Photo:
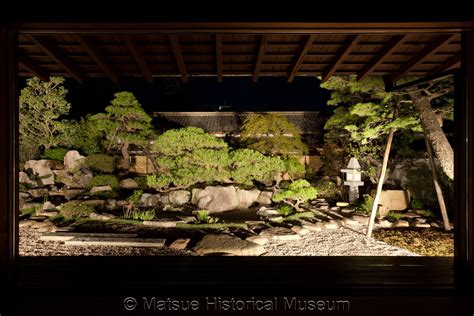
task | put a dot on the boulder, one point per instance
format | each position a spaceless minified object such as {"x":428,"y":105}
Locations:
{"x":23,"y":178}
{"x":180,"y":244}
{"x":179,"y":197}
{"x":48,"y":206}
{"x":195,"y":196}
{"x":42,"y":171}
{"x":150,"y":200}
{"x":128,"y":184}
{"x":73,"y":161}
{"x":37,"y":193}
{"x":139,"y":165}
{"x":247,"y":197}
{"x":265,"y":198}
{"x":111,"y":205}
{"x":217,"y":244}
{"x":72,"y":193}
{"x":56,"y":164}
{"x":393,"y":200}
{"x":267,"y":212}
{"x":401,"y":223}
{"x":217,"y":199}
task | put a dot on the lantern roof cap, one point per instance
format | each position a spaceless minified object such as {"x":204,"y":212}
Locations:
{"x":353,"y":164}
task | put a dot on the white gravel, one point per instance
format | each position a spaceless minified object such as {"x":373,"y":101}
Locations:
{"x":338,"y":242}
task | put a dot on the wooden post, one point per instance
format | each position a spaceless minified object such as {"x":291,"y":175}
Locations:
{"x":439,"y":192}
{"x":375,"y":206}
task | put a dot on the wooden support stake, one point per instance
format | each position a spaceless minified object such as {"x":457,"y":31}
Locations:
{"x":375,"y":206}
{"x":439,"y":192}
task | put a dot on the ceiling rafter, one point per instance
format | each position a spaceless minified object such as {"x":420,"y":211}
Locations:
{"x":94,"y":52}
{"x":219,"y":64}
{"x":349,"y":45}
{"x":452,"y":62}
{"x":426,"y":52}
{"x":395,"y":42}
{"x":178,"y":56}
{"x":58,"y":57}
{"x":138,"y":57}
{"x":261,"y":53}
{"x":301,"y":56}
{"x":34,"y":69}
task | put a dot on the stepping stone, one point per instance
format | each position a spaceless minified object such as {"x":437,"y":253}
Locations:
{"x":401,"y":223}
{"x":267,"y":212}
{"x":314,"y":227}
{"x":346,"y":212}
{"x":46,"y":213}
{"x":441,"y":224}
{"x":276,"y":219}
{"x":384,"y":223}
{"x":332,"y":224}
{"x":116,"y":242}
{"x":280,"y":233}
{"x":255,"y":223}
{"x":350,"y":222}
{"x":323,"y":207}
{"x":335,"y":208}
{"x":300,"y":230}
{"x":421,"y":225}
{"x":364,"y":220}
{"x":257,"y":239}
{"x":180,"y":244}
{"x":101,"y":217}
{"x":217,"y":244}
{"x":342,"y":204}
{"x":411,"y":215}
{"x":435,"y":225}
{"x":321,"y":200}
{"x":161,"y":224}
{"x":64,"y":236}
{"x":420,"y":220}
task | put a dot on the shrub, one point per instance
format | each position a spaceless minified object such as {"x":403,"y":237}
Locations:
{"x":202,"y":217}
{"x":55,"y":153}
{"x":142,"y":182}
{"x":394,"y":216}
{"x":272,"y":134}
{"x":327,"y":188}
{"x":75,"y":210}
{"x":101,"y":163}
{"x":416,"y":204}
{"x":297,"y":192}
{"x":103,"y":180}
{"x":143,"y":215}
{"x":82,"y":135}
{"x":135,"y":197}
{"x":366,"y":205}
{"x":285,"y":210}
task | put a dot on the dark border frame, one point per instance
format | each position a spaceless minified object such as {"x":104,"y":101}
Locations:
{"x":186,"y":275}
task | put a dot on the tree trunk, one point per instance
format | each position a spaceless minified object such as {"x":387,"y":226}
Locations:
{"x":435,"y":135}
{"x":126,"y":155}
{"x":375,"y":206}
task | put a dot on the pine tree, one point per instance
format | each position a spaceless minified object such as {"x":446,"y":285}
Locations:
{"x":124,"y":123}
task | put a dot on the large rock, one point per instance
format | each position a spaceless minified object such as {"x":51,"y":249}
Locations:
{"x":103,"y":188}
{"x":41,"y":170}
{"x":149,"y":200}
{"x":265,"y":198}
{"x":195,"y":196}
{"x":56,"y":164}
{"x":224,"y":244}
{"x":139,"y":165}
{"x":23,"y":178}
{"x":247,"y":197}
{"x":393,"y":200}
{"x":73,"y":160}
{"x":79,"y":181}
{"x":217,"y":199}
{"x":179,"y":197}
{"x":129,"y":184}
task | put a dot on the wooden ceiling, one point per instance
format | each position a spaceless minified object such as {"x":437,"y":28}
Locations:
{"x":186,"y":55}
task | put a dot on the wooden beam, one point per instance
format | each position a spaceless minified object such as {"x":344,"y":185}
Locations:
{"x":138,"y":57}
{"x":261,"y":53}
{"x":350,"y":44}
{"x":219,"y":57}
{"x":93,"y":51}
{"x":425,"y":53}
{"x":58,"y":57}
{"x":302,"y":54}
{"x":178,"y":56}
{"x":31,"y":67}
{"x":453,"y":62}
{"x":394,"y":43}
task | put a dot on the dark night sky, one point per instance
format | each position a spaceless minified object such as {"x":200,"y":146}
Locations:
{"x":202,"y":94}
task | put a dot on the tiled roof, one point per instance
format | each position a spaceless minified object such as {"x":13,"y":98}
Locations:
{"x":231,"y":122}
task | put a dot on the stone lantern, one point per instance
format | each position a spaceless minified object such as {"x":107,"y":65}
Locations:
{"x":353,"y":179}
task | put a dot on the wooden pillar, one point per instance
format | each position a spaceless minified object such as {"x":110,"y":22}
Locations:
{"x":8,"y":154}
{"x":464,"y":164}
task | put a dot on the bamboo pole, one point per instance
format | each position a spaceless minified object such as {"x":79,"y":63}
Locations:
{"x":439,"y":192}
{"x":375,"y":206}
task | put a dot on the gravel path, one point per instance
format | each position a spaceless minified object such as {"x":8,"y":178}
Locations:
{"x":339,"y":242}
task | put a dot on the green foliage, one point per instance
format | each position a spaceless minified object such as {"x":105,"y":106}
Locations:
{"x":82,"y":135}
{"x":426,"y":213}
{"x":362,"y":119}
{"x":55,"y":153}
{"x":135,"y":197}
{"x":366,"y":205}
{"x":327,"y":188}
{"x":104,"y":180}
{"x":101,"y":163}
{"x":294,"y":168}
{"x":142,"y":182}
{"x":147,"y":215}
{"x":297,"y":192}
{"x":393,"y":216}
{"x":125,"y":122}
{"x":247,"y":165}
{"x":42,"y":104}
{"x":202,"y":217}
{"x":75,"y":210}
{"x":416,"y":204}
{"x":285,"y":210}
{"x":272,"y":134}
{"x":106,"y":194}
